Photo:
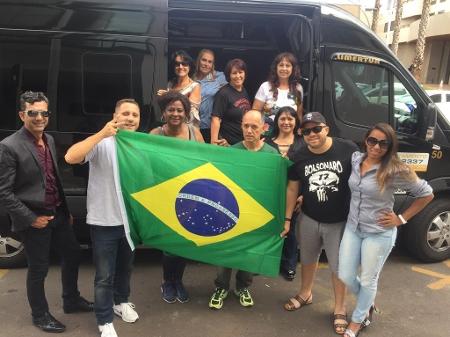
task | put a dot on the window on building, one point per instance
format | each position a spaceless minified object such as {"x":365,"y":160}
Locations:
{"x":436,"y":98}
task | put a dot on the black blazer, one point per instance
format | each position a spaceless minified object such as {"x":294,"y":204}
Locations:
{"x":22,"y":179}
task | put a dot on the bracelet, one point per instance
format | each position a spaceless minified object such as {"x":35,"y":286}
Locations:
{"x":402,"y":219}
{"x":287,"y":219}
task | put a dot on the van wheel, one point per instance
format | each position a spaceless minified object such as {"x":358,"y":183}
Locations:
{"x":12,"y":254}
{"x":428,"y":234}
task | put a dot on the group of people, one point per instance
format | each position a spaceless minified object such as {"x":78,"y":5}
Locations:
{"x":338,"y":198}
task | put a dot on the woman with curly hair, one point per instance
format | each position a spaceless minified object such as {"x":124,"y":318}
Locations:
{"x":283,"y":88}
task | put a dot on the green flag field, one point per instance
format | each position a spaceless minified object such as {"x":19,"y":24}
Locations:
{"x":218,"y":205}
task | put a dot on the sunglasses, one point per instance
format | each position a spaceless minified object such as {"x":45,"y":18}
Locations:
{"x":372,"y":141}
{"x":315,"y":129}
{"x":34,"y":113}
{"x":184,"y":64}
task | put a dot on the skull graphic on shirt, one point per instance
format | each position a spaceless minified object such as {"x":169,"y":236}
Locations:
{"x":323,"y":182}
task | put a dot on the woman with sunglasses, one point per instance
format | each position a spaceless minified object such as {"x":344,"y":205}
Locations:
{"x":175,"y":108}
{"x":230,"y":103}
{"x":183,"y":66}
{"x":371,"y":227}
{"x":283,"y":88}
{"x":210,"y":81}
{"x":286,"y":140}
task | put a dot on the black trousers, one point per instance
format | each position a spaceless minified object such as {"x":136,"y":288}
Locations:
{"x":37,"y":242}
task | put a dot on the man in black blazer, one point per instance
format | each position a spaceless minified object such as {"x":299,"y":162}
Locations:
{"x":31,"y":192}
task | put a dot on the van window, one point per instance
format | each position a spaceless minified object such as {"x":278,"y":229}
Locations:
{"x":19,"y":71}
{"x":366,"y":93}
{"x":405,"y":109}
{"x":361,"y":93}
{"x":105,"y":76}
{"x":94,"y":74}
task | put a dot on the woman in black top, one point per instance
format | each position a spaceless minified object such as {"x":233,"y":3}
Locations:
{"x":286,"y":140}
{"x":230,"y":103}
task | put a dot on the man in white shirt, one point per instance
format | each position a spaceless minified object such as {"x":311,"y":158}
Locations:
{"x":113,"y":256}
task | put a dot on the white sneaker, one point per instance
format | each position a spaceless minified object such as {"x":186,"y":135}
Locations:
{"x":107,"y":330}
{"x":126,"y":311}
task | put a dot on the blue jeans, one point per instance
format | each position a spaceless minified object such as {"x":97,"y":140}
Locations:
{"x":113,"y":259}
{"x":370,"y":251}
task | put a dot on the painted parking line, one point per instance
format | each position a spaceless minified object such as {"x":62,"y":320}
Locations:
{"x":3,"y":272}
{"x":443,"y":279}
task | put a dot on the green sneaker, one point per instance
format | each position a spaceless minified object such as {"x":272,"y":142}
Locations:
{"x":216,"y":301}
{"x":245,"y":298}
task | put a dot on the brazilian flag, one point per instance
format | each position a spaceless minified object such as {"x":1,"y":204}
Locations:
{"x":208,"y":203}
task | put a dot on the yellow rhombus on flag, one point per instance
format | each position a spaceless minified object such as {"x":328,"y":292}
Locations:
{"x":161,"y":200}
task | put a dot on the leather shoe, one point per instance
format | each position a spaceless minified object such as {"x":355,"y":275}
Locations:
{"x":78,"y":305}
{"x":48,"y":323}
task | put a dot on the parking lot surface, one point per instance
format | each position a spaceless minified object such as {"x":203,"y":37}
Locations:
{"x":413,"y":299}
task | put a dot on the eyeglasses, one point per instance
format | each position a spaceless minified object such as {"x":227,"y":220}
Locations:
{"x":372,"y":141}
{"x":183,"y":63}
{"x":172,"y":110}
{"x":315,"y":129}
{"x":34,"y":113}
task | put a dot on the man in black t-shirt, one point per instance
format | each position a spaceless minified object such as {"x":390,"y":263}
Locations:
{"x":320,"y":174}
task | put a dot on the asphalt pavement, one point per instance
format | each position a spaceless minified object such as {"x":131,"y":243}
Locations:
{"x":414,"y":300}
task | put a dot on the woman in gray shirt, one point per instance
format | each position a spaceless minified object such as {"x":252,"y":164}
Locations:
{"x":371,"y":227}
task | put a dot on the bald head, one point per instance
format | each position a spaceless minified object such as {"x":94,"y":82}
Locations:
{"x":252,"y":125}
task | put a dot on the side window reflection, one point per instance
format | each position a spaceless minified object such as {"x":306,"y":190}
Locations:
{"x":361,"y":93}
{"x":405,"y":109}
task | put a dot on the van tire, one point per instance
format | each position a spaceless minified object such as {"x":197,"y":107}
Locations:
{"x":14,"y":257}
{"x":417,"y":232}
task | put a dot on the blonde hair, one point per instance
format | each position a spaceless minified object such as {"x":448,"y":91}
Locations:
{"x":390,"y":165}
{"x":199,"y":57}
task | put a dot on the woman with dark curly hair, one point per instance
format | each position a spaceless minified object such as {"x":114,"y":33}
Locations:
{"x":283,"y":88}
{"x":175,"y":108}
{"x":183,"y":66}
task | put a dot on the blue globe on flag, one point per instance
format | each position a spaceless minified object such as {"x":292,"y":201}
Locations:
{"x":206,"y":207}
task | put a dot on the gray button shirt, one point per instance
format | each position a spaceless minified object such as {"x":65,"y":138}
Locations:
{"x":367,"y":200}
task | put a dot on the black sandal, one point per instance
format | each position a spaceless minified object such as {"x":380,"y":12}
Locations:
{"x":368,"y":320}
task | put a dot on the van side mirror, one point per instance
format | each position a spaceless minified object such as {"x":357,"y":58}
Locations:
{"x":429,"y":122}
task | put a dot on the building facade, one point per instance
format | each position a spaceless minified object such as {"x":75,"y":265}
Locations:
{"x":436,"y":68}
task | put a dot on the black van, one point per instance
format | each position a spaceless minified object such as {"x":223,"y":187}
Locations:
{"x":87,"y":54}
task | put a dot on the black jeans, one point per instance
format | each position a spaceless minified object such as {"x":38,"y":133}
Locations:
{"x":173,"y":267}
{"x":113,"y":259}
{"x":289,"y":256}
{"x":37,"y":242}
